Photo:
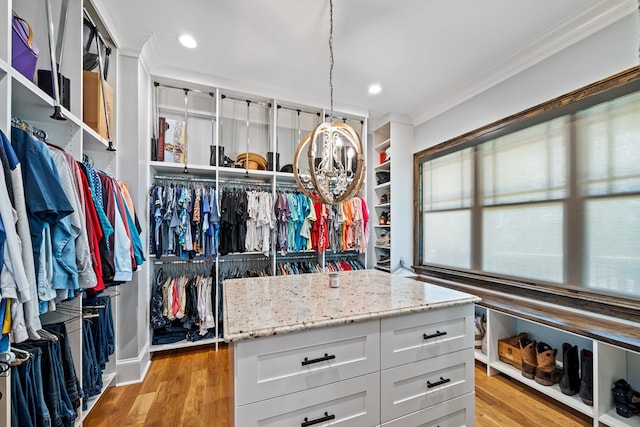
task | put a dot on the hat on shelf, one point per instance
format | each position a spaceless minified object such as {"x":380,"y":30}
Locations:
{"x":252,"y":160}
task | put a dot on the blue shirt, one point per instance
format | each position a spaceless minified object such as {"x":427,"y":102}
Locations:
{"x":45,"y":197}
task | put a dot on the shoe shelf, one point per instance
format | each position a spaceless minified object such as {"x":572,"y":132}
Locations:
{"x":610,"y":363}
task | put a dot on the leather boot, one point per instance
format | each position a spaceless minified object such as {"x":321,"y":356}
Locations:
{"x":586,"y":371}
{"x":546,"y":371}
{"x":528,"y":352}
{"x":570,"y":382}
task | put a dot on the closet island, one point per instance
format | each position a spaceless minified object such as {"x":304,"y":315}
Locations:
{"x":377,"y":350}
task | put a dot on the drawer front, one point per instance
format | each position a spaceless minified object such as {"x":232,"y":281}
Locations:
{"x":415,"y":386}
{"x":452,"y":413}
{"x":418,"y":336}
{"x":273,"y":366}
{"x":353,"y":402}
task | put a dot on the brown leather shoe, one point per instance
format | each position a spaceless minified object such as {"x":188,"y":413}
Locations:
{"x":529,"y":360}
{"x":546,"y":371}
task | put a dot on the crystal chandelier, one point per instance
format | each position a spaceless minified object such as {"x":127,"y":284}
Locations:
{"x":334,"y":154}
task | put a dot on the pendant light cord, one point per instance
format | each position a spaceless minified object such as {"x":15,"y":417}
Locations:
{"x":331,"y":57}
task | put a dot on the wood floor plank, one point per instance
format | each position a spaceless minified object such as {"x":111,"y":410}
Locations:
{"x":190,"y":388}
{"x":138,"y":413}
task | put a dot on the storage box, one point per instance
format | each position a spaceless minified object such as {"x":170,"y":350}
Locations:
{"x":92,"y":105}
{"x":509,"y":351}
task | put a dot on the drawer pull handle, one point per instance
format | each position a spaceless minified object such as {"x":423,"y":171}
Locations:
{"x":437,"y":383}
{"x":326,"y":356}
{"x":326,"y":417}
{"x":437,"y":334}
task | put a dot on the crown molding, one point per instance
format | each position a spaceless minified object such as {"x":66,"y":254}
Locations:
{"x":582,"y":25}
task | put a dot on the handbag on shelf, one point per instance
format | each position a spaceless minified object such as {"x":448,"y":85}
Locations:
{"x":24,"y":52}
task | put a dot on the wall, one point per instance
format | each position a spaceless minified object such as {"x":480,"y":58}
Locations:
{"x":609,"y":51}
{"x":133,"y":152}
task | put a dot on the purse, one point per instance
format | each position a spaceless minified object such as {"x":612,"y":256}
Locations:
{"x":24,"y":52}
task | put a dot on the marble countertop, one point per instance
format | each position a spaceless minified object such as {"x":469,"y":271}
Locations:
{"x":264,"y":306}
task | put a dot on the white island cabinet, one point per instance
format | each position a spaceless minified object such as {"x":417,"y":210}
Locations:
{"x":377,"y":350}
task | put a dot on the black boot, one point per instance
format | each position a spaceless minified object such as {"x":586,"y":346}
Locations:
{"x":586,"y":382}
{"x":570,"y":382}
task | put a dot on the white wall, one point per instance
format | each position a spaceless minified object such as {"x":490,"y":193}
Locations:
{"x":133,"y":145}
{"x":611,"y":50}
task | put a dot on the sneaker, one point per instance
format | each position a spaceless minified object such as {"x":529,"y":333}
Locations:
{"x":384,"y":239}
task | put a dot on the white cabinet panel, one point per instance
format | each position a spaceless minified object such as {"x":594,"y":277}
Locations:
{"x":273,"y":366}
{"x":412,"y":387}
{"x":452,"y":413}
{"x":406,"y":339}
{"x":351,"y":402}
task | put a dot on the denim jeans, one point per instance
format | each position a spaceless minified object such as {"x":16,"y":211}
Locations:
{"x":53,"y":384}
{"x":42,"y":416}
{"x":71,"y":382}
{"x":91,"y":374}
{"x":20,"y":415}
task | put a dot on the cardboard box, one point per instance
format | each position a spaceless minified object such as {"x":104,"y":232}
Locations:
{"x":92,"y":105}
{"x":509,"y":351}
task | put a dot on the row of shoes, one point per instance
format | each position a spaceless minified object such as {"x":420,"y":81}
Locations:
{"x":384,"y":239}
{"x":385,"y":198}
{"x":626,"y":398}
{"x":480,"y":333}
{"x":576,"y":375}
{"x":384,"y":260}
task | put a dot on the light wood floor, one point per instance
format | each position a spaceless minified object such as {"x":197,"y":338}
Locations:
{"x":190,"y":388}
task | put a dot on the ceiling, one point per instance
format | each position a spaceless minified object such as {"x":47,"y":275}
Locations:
{"x":428,"y":55}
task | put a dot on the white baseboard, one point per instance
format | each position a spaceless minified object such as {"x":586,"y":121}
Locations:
{"x":133,"y":371}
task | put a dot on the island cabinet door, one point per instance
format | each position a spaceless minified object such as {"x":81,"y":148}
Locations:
{"x":405,"y":339}
{"x":416,"y":386}
{"x":452,"y":413}
{"x":353,"y":402}
{"x":272,"y":366}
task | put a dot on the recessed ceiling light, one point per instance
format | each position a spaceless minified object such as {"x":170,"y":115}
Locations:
{"x":375,"y":89}
{"x":187,"y":41}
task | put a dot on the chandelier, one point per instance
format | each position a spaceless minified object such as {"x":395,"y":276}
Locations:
{"x":335,"y":156}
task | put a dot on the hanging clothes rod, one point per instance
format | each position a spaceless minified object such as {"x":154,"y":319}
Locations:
{"x":35,"y":132}
{"x":185,"y":261}
{"x":245,"y":182}
{"x":250,"y":101}
{"x":299,"y":110}
{"x":186,"y":179}
{"x":344,"y":119}
{"x":310,"y":256}
{"x":186,"y":89}
{"x":244,"y":259}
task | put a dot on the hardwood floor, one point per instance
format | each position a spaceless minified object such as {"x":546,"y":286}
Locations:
{"x":190,"y":388}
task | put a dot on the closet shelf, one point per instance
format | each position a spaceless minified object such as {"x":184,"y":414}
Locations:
{"x":384,"y":205}
{"x":383,"y":226}
{"x":199,"y":114}
{"x":383,"y":166}
{"x":383,"y":145}
{"x":481,"y":357}
{"x":32,"y":104}
{"x":92,"y":141}
{"x":612,"y":419}
{"x":4,"y":67}
{"x":183,"y":344}
{"x":383,"y":186}
{"x":552,"y":391}
{"x":380,"y":267}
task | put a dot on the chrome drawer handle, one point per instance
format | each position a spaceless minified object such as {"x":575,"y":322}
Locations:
{"x":437,"y":383}
{"x":326,"y":356}
{"x":437,"y":334}
{"x":326,"y":417}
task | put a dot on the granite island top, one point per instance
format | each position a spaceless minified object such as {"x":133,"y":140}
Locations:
{"x":263,"y":306}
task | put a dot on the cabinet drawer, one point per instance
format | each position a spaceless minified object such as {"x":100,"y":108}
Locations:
{"x":405,"y":339}
{"x":452,"y":413}
{"x":415,"y":386}
{"x":352,"y":402}
{"x":273,"y":366}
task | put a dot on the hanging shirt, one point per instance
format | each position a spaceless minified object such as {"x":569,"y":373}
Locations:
{"x":31,"y":310}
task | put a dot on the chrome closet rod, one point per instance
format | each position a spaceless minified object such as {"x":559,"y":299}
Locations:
{"x":185,"y":261}
{"x":183,"y":88}
{"x":246,"y":183}
{"x":244,"y":259}
{"x":299,"y":110}
{"x":186,"y":179}
{"x":251,"y":101}
{"x":344,"y":119}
